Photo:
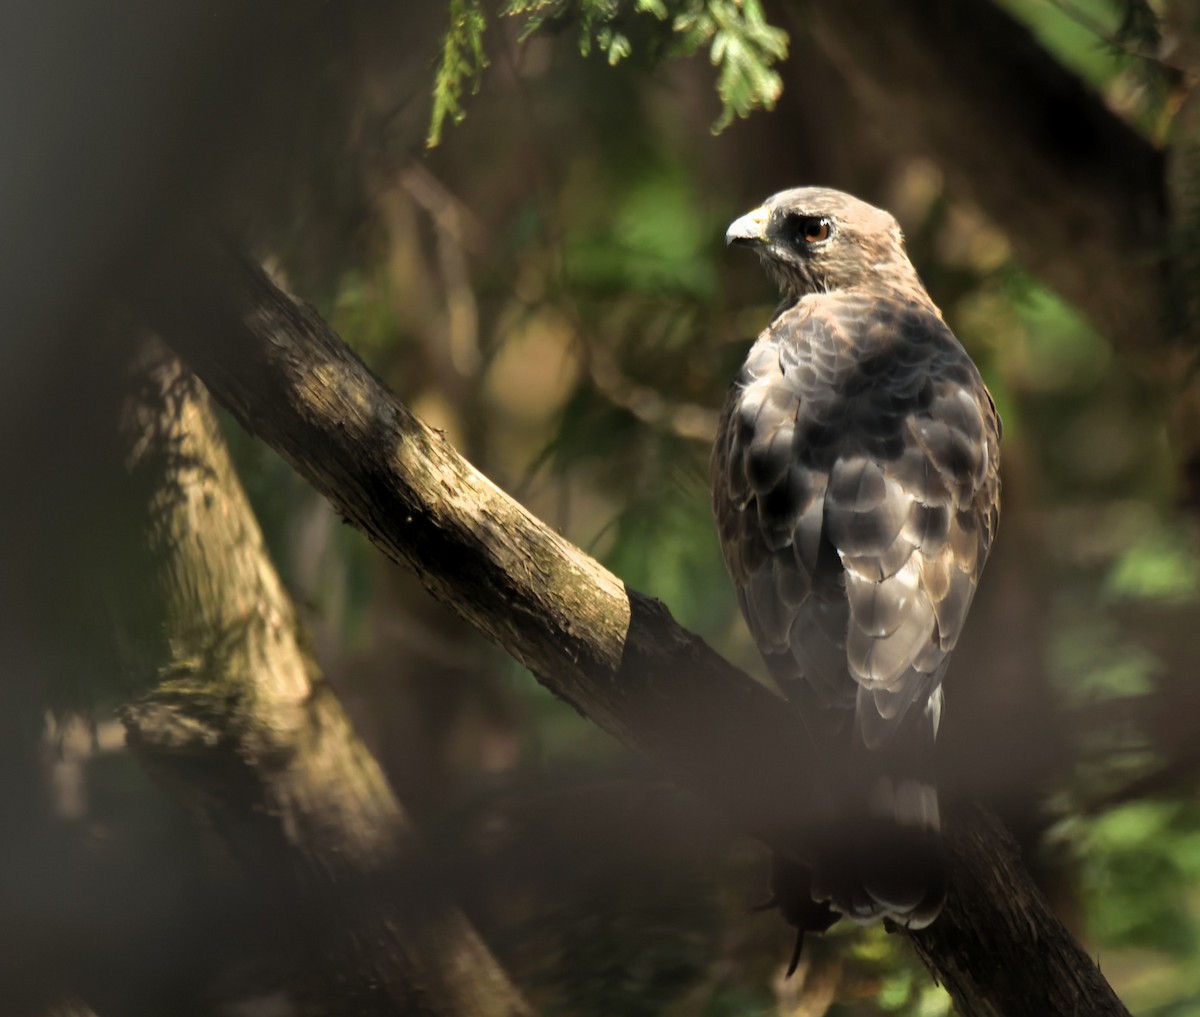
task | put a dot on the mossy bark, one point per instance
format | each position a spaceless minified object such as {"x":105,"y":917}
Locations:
{"x":237,"y":722}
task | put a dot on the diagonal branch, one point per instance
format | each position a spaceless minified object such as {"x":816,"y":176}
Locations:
{"x":614,"y":654}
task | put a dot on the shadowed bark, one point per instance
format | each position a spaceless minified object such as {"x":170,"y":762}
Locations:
{"x":238,"y":723}
{"x":616,"y":655}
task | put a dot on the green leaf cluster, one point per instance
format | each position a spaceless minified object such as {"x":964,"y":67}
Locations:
{"x":744,"y":48}
{"x":461,"y":66}
{"x":741,"y":45}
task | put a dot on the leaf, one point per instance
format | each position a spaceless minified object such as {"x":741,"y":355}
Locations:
{"x":1158,"y":565}
{"x":463,"y":61}
{"x":1139,"y":24}
{"x":741,"y":44}
{"x":744,"y":48}
{"x":656,"y":7}
{"x":617,"y":46}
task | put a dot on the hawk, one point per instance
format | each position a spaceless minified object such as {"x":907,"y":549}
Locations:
{"x":856,"y":490}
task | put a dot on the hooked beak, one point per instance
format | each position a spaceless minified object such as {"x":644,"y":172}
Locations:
{"x":750,"y":229}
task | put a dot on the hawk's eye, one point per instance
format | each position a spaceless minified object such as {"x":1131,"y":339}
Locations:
{"x":814,"y":230}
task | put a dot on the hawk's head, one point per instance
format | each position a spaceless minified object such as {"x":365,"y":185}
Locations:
{"x":814,"y":240}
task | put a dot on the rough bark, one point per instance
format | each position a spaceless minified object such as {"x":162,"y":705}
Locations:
{"x":997,"y":947}
{"x":616,"y":655}
{"x":238,"y":723}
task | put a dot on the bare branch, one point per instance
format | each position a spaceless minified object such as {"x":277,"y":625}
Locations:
{"x":648,"y":404}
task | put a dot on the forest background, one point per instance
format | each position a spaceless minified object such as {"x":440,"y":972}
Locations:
{"x":513,"y":213}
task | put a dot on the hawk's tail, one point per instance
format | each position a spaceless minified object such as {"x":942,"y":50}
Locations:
{"x":883,"y":858}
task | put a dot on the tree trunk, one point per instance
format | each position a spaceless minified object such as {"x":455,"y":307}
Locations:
{"x":238,"y":723}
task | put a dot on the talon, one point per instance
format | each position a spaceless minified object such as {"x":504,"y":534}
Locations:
{"x":796,"y":954}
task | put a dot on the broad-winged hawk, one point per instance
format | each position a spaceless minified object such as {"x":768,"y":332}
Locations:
{"x":856,"y":491}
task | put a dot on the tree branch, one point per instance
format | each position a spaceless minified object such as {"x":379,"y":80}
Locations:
{"x":237,"y":721}
{"x":616,"y":655}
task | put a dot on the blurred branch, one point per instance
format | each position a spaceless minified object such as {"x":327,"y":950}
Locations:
{"x":1167,"y":779}
{"x":240,"y":726}
{"x":451,"y":216}
{"x":458,"y":231}
{"x":1148,"y":50}
{"x":1160,"y":724}
{"x":648,"y":404}
{"x":614,"y":654}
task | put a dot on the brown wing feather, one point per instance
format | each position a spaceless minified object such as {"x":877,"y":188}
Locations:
{"x":856,"y":489}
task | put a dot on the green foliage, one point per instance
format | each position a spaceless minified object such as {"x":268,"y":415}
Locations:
{"x":734,"y":1001}
{"x":624,"y":949}
{"x":461,"y":66}
{"x":641,"y":271}
{"x":1139,"y":24}
{"x":650,"y":242}
{"x":1111,"y":43}
{"x":668,"y":549}
{"x":597,"y":21}
{"x":743,"y":46}
{"x":1160,"y":564}
{"x":902,"y":987}
{"x":1064,"y":346}
{"x":740,"y":44}
{"x":1092,"y":661}
{"x":1134,"y":860}
{"x":1138,"y":38}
